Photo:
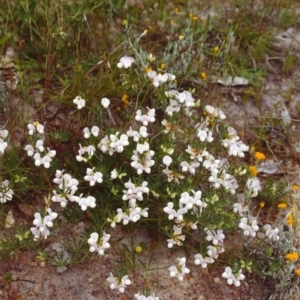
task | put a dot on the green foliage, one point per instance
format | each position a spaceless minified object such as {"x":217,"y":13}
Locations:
{"x":273,"y":192}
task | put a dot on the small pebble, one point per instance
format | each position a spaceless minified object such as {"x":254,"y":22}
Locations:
{"x":217,"y":280}
{"x":43,"y":264}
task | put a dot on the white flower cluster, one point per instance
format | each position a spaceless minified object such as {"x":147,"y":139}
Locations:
{"x":158,"y":79}
{"x":118,"y":283}
{"x":180,"y":270}
{"x":3,"y":137}
{"x":113,"y":143}
{"x":142,"y":158}
{"x":233,"y":278}
{"x":270,"y":233}
{"x":41,"y":229}
{"x":80,"y":102}
{"x":6,"y":193}
{"x":134,"y":193}
{"x":67,"y":186}
{"x":136,"y":135}
{"x":94,"y":131}
{"x":99,"y":245}
{"x":249,"y":226}
{"x":93,"y":177}
{"x":82,"y":151}
{"x":38,"y":150}
{"x":233,"y":143}
{"x":145,"y":119}
{"x":125,"y":62}
{"x":179,"y":100}
{"x":213,"y":252}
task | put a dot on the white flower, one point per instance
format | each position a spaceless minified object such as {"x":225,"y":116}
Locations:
{"x":36,"y":126}
{"x":233,"y":278}
{"x":167,"y":160}
{"x":271,"y":233}
{"x":180,"y":270}
{"x":86,"y":133}
{"x":200,"y":260}
{"x":79,"y":102}
{"x":42,"y":224}
{"x":117,"y":283}
{"x":216,"y":238}
{"x":253,"y":186}
{"x":101,"y":245}
{"x":176,"y":238}
{"x":105,"y":102}
{"x":145,"y":119}
{"x":3,"y":146}
{"x":84,"y":203}
{"x":125,"y":62}
{"x":4,"y":134}
{"x":95,"y":131}
{"x":93,"y":177}
{"x":6,"y":193}
{"x":249,"y":230}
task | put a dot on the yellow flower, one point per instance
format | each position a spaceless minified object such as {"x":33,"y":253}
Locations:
{"x":292,"y":256}
{"x":259,"y":156}
{"x":172,"y":22}
{"x":290,"y":219}
{"x":253,"y":170}
{"x":195,"y":18}
{"x":191,"y":16}
{"x":138,"y":249}
{"x":181,"y":37}
{"x":125,"y":99}
{"x":148,"y":70}
{"x":216,"y":49}
{"x":297,"y":272}
{"x":203,"y":76}
{"x":162,"y":66}
{"x":124,"y":22}
{"x":262,"y":204}
{"x":295,"y":187}
{"x":176,"y":10}
{"x":282,"y":205}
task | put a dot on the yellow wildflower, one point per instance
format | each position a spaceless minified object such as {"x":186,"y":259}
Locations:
{"x":290,"y":219}
{"x":297,"y":272}
{"x":216,"y":49}
{"x":191,"y":16}
{"x":282,"y":205}
{"x":203,"y":76}
{"x":148,"y":70}
{"x":262,"y":204}
{"x":295,"y":187}
{"x":181,"y":37}
{"x":292,"y":256}
{"x":138,"y":249}
{"x":253,"y":170}
{"x":195,"y":18}
{"x":259,"y":156}
{"x":124,"y":22}
{"x":176,"y":10}
{"x":162,"y":66}
{"x":125,"y":99}
{"x":172,"y":22}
